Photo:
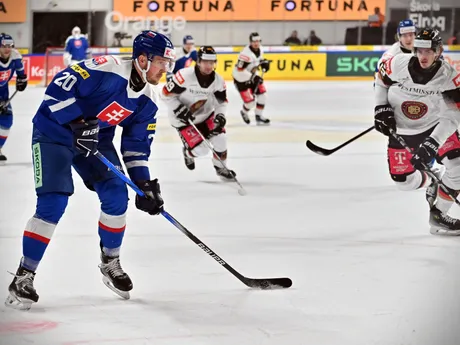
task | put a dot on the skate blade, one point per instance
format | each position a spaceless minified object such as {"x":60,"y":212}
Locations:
{"x":262,"y":123}
{"x":108,"y":283}
{"x":18,"y":303}
{"x":2,"y":163}
{"x":443,"y":232}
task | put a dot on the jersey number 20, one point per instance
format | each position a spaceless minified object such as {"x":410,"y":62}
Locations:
{"x":66,"y":81}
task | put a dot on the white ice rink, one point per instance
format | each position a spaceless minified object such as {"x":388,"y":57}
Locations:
{"x":364,"y":266}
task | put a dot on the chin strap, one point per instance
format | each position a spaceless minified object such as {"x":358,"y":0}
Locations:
{"x":143,"y":71}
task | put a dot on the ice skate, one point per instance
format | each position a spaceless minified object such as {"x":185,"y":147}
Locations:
{"x":245,"y":117}
{"x":114,"y":277}
{"x":2,"y":158}
{"x":189,"y":161}
{"x":225,"y":174}
{"x":443,"y":224}
{"x":22,"y":292}
{"x":262,"y":121}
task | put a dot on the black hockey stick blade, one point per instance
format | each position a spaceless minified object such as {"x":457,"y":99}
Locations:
{"x":326,"y":152}
{"x":319,"y":150}
{"x":268,"y":284}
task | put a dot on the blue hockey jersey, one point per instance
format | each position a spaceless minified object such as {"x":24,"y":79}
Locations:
{"x":7,"y":70}
{"x":100,"y":88}
{"x":185,"y":60}
{"x":77,"y":47}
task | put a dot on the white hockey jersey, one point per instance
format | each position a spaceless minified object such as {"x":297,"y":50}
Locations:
{"x":419,"y":106}
{"x":201,"y":100}
{"x":247,"y":64}
{"x":394,"y":50}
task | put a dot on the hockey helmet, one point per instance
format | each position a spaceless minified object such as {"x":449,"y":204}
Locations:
{"x":151,"y":44}
{"x":207,"y":53}
{"x":428,"y":38}
{"x":6,"y":40}
{"x":76,"y":31}
{"x":254,"y":36}
{"x":188,"y":39}
{"x":406,"y":26}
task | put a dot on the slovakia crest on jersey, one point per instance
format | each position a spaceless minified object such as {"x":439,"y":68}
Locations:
{"x":114,"y":113}
{"x":5,"y":75}
{"x":77,"y":43}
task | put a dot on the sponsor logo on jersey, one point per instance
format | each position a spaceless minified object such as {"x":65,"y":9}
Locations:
{"x":152,"y":126}
{"x":114,"y":113}
{"x":83,"y":72}
{"x":456,"y":80}
{"x":5,"y":75}
{"x":414,"y":110}
{"x":100,"y":60}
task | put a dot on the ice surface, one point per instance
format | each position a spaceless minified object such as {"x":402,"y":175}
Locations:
{"x":364,"y":266}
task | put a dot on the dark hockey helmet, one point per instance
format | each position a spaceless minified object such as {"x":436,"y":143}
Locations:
{"x":207,"y":53}
{"x":428,"y":38}
{"x":6,"y":40}
{"x":254,"y":36}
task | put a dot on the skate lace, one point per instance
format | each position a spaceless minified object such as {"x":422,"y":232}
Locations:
{"x":114,"y":267}
{"x":27,"y":279}
{"x":448,"y":219}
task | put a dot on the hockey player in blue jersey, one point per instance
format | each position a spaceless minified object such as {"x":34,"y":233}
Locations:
{"x":76,"y":48}
{"x":185,"y":56}
{"x":10,"y":63}
{"x":77,"y":118}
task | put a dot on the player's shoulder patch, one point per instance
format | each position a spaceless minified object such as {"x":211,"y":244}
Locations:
{"x":103,"y":63}
{"x":452,"y":75}
{"x":244,"y":57}
{"x":179,"y":77}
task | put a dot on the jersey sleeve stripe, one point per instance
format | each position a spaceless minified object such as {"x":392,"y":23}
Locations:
{"x":62,"y":105}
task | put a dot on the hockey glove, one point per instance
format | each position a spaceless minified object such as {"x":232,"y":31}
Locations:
{"x":219,"y":123}
{"x":183,"y":114}
{"x":384,"y":119}
{"x":153,"y":203}
{"x":21,"y":83}
{"x":256,"y":79}
{"x":265,"y":65}
{"x":425,"y":154}
{"x":85,"y":135}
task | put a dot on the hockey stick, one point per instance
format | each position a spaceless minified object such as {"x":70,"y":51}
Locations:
{"x":426,"y":168}
{"x":326,"y":152}
{"x":263,"y":284}
{"x":4,"y":106}
{"x":241,"y":191}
